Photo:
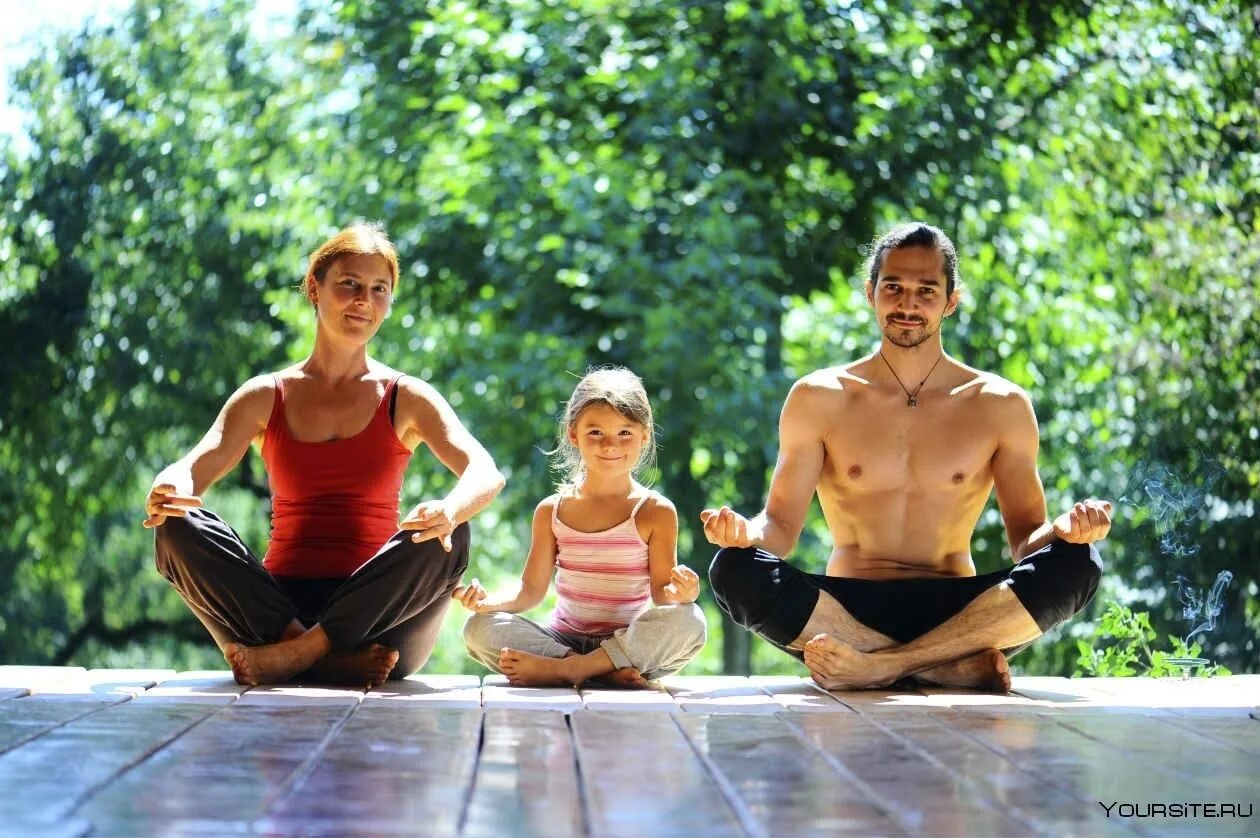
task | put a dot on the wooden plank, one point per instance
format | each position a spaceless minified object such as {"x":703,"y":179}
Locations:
{"x":497,"y":693}
{"x":980,"y":773}
{"x":36,"y":679}
{"x":288,"y":695}
{"x":719,"y":694}
{"x":880,"y":701}
{"x":1239,"y":692}
{"x":778,"y":786}
{"x":642,"y":777}
{"x":25,"y":719}
{"x":196,"y":686}
{"x":1058,"y":692}
{"x":1203,"y":769}
{"x":120,"y":682}
{"x":220,"y":776}
{"x":1231,"y":731}
{"x":526,"y":780}
{"x":390,"y":769}
{"x":1084,"y":768}
{"x":13,"y":692}
{"x":430,"y":690}
{"x":799,"y":695}
{"x":59,"y":770}
{"x":617,"y":700}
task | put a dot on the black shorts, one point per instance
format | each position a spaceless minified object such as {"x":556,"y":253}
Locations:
{"x":766,"y":595}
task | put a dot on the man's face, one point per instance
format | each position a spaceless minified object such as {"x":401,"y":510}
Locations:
{"x":909,"y":295}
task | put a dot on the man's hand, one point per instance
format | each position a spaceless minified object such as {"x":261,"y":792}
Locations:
{"x":430,"y":520}
{"x":726,"y":528}
{"x":471,"y":596}
{"x":1086,"y":522}
{"x":684,"y":585}
{"x":163,"y":501}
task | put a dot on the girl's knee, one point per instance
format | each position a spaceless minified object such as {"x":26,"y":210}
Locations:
{"x":686,"y":621}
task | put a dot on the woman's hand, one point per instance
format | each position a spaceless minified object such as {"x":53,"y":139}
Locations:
{"x":684,"y":585}
{"x":472,"y":596}
{"x":430,"y":519}
{"x":164,"y":501}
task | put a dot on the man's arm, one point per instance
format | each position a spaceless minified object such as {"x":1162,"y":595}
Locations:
{"x":428,"y":418}
{"x":1021,"y":497}
{"x":796,"y":475}
{"x":179,"y":486}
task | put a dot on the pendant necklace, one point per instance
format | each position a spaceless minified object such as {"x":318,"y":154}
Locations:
{"x":912,"y":399}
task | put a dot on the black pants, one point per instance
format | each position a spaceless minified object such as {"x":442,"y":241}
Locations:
{"x":766,"y":595}
{"x":397,"y":598}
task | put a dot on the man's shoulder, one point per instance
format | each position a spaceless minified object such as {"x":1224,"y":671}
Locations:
{"x":999,"y":396}
{"x":829,"y":381}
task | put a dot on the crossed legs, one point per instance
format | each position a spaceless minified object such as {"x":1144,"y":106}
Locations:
{"x":854,"y":633}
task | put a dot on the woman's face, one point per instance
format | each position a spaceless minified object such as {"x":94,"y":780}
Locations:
{"x":355,"y":295}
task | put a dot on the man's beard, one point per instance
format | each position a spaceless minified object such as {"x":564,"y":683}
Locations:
{"x":908,"y":338}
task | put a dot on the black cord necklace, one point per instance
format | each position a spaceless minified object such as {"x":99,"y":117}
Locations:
{"x":912,"y":399}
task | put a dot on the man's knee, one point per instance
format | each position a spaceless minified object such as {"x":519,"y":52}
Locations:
{"x":1058,"y":581}
{"x":734,"y":575}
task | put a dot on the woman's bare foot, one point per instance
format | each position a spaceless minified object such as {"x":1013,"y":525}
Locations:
{"x":838,"y":666}
{"x":525,"y":670}
{"x":985,"y":670}
{"x":275,"y":663}
{"x":367,"y":667}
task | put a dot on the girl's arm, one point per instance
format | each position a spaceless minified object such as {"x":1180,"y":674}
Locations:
{"x":243,"y":418}
{"x":535,"y":578}
{"x":672,"y":583}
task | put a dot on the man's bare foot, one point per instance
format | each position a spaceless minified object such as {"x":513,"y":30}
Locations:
{"x":525,"y":670}
{"x":985,"y":670}
{"x":838,"y":666}
{"x":627,"y":678}
{"x":367,"y":667}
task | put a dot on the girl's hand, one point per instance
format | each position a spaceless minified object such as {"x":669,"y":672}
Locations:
{"x":163,"y":501}
{"x":684,"y":584}
{"x":471,"y":596}
{"x":429,"y":520}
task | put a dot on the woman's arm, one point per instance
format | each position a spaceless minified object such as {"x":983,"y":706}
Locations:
{"x":243,"y":418}
{"x":423,"y":416}
{"x":535,"y":578}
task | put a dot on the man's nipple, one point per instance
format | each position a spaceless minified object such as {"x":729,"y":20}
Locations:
{"x":959,"y":477}
{"x":855,"y":471}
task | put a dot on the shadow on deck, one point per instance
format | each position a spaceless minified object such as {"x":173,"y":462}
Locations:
{"x":130,"y":753}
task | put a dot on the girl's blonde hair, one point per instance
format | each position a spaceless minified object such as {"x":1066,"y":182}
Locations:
{"x":620,"y":389}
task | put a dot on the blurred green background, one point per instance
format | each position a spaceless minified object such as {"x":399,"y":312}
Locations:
{"x":685,"y":188}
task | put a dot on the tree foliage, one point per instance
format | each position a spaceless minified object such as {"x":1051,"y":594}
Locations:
{"x":684,"y":188}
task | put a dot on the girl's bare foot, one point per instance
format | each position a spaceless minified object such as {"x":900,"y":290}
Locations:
{"x":985,"y":670}
{"x":367,"y":667}
{"x":626,"y":678}
{"x":838,"y":666}
{"x":525,"y":670}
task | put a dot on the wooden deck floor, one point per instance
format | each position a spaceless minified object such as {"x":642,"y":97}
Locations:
{"x":141,"y":753}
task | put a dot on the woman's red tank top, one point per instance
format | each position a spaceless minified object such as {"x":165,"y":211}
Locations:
{"x":333,"y":504}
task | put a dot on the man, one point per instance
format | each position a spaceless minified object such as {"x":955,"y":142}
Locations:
{"x":903,"y":448}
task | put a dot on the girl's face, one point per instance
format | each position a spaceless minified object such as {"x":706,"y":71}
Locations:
{"x":607,"y":441}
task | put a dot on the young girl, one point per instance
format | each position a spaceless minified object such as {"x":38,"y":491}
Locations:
{"x":611,"y":544}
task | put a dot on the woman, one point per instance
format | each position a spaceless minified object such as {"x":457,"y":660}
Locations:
{"x":347,"y":593}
